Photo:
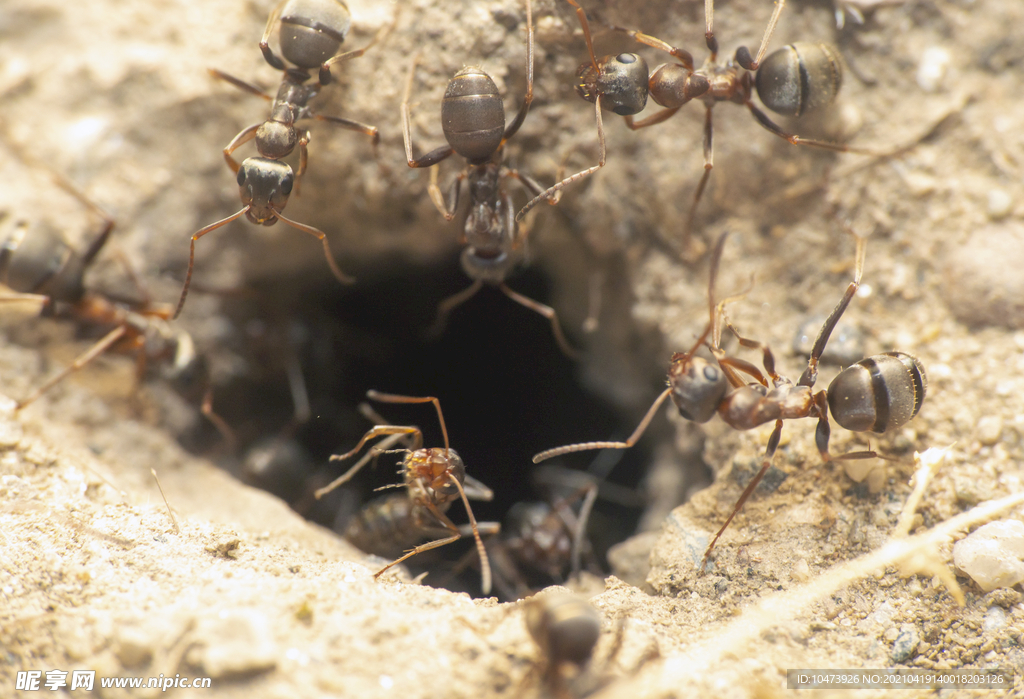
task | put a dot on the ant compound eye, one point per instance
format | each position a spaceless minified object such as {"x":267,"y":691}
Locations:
{"x":626,"y":58}
{"x":286,"y":184}
{"x":241,"y":177}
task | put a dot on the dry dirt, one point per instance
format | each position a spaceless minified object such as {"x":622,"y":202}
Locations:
{"x":95,"y":575}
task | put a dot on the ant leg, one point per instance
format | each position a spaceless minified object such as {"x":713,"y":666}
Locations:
{"x":766,"y":462}
{"x":549,"y":313}
{"x":371,"y":455}
{"x":362,"y":128}
{"x":226,"y":433}
{"x":796,"y":140}
{"x":192,"y":255}
{"x":582,"y":16}
{"x":378,"y":431}
{"x":769,"y":358}
{"x":709,"y":164}
{"x":684,"y":56}
{"x":731,"y":365}
{"x":268,"y":53}
{"x":580,"y":532}
{"x":810,"y":374}
{"x":317,"y":233}
{"x":513,"y":127}
{"x":450,"y":304}
{"x":35,"y":298}
{"x":485,"y":566}
{"x":303,"y":144}
{"x":823,"y":431}
{"x":393,"y":398}
{"x":743,"y":54}
{"x":244,"y":136}
{"x":585,"y":446}
{"x":108,"y":221}
{"x":240,"y":84}
{"x":655,"y":118}
{"x":433,"y":157}
{"x":579,"y":175}
{"x":325,"y":67}
{"x":446,"y":205}
{"x":709,"y":29}
{"x":96,"y":350}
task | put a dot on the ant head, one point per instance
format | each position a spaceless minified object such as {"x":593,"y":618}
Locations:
{"x":275,"y":140}
{"x":264,"y":186}
{"x":620,"y":81}
{"x":698,"y":386}
{"x":313,"y":30}
{"x":434,"y":469}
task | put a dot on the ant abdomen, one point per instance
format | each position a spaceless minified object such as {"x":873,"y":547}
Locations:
{"x":799,"y":78}
{"x":313,"y":30}
{"x":878,"y":394}
{"x":37,"y":260}
{"x":473,"y":115}
{"x":621,"y":83}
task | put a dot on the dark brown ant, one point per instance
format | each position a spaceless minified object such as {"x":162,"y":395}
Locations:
{"x":792,"y":81}
{"x":566,"y":628}
{"x":37,"y":265}
{"x":433,"y":479}
{"x":539,"y":541}
{"x":877,"y":394}
{"x":473,"y":120}
{"x":312,"y":32}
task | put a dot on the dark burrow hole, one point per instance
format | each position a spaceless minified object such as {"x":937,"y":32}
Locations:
{"x":506,"y":390}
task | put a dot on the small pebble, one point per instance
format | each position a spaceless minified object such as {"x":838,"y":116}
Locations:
{"x":905,"y":645}
{"x":993,"y":555}
{"x":1000,"y":204}
{"x":10,"y":434}
{"x":983,"y":284}
{"x":235,"y":642}
{"x":990,"y":429}
{"x":801,"y":572}
{"x":935,"y":62}
{"x":845,"y":346}
{"x":995,"y":619}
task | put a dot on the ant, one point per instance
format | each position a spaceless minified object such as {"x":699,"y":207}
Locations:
{"x":877,"y":394}
{"x":792,"y":81}
{"x":537,"y":541}
{"x":473,"y":120}
{"x":566,"y":628}
{"x":311,"y":33}
{"x":433,"y":478}
{"x":37,"y":265}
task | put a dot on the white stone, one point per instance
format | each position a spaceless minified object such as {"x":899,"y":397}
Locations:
{"x":931,"y":70}
{"x":993,"y":555}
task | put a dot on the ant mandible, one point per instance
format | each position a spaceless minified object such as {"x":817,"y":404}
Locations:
{"x":796,"y":79}
{"x":877,"y":394}
{"x":311,"y":33}
{"x":433,"y":478}
{"x":473,"y":120}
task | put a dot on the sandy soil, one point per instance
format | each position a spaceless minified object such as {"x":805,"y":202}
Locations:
{"x":96,"y":575}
